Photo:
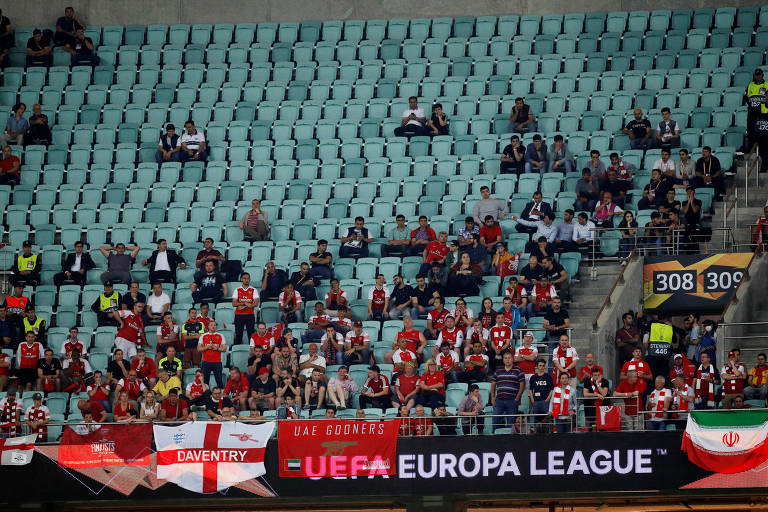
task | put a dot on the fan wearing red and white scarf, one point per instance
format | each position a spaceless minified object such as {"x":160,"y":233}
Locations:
{"x":561,"y":405}
{"x":659,"y":400}
{"x":681,"y":392}
{"x":705,"y":387}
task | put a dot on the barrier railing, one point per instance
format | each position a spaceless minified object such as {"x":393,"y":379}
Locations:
{"x":730,"y":341}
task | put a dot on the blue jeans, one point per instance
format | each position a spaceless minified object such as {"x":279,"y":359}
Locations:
{"x":564,"y":165}
{"x":637,"y":143}
{"x":656,"y":425}
{"x":626,"y":244}
{"x":515,"y":127}
{"x":320,"y":272}
{"x":528,"y":311}
{"x":504,"y":406}
{"x":353,"y":252}
{"x":431,"y":399}
{"x":530,"y":168}
{"x":563,"y":426}
{"x":311,"y":335}
{"x":160,"y":158}
{"x":214,"y":368}
{"x":378,"y":314}
{"x":415,"y":313}
{"x":365,"y":354}
{"x":299,"y":316}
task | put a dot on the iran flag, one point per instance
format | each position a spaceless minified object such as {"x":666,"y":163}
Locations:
{"x":727,"y":441}
{"x":17,"y":451}
{"x":207,"y":457}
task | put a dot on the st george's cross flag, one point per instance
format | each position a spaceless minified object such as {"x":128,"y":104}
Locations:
{"x":727,"y":441}
{"x":17,"y":451}
{"x":207,"y":457}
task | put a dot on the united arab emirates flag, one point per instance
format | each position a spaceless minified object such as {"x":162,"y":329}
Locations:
{"x":727,"y":441}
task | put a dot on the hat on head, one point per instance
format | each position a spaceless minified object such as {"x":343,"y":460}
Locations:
{"x":263,"y":370}
{"x":500,"y":244}
{"x":678,"y":355}
{"x":109,"y":283}
{"x":37,"y":396}
{"x":26,"y":243}
{"x":357,"y":323}
{"x":529,"y":333}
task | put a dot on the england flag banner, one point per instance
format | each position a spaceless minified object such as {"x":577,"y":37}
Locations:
{"x":207,"y":457}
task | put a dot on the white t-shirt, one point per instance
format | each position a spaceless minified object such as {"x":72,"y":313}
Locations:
{"x":161,"y":262}
{"x":339,"y":339}
{"x":372,"y":288}
{"x":397,"y":356}
{"x":155,"y":303}
{"x":664,"y":167}
{"x":76,"y":266}
{"x":459,"y":338}
{"x":417,"y":112}
{"x":192,"y":141}
{"x":307,"y":372}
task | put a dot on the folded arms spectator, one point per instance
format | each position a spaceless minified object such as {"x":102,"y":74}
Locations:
{"x":39,"y":50}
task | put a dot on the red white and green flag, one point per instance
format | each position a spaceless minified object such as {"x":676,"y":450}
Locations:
{"x":727,"y":441}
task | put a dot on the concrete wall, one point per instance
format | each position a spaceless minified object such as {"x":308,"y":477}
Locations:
{"x":626,"y":296}
{"x":123,"y":12}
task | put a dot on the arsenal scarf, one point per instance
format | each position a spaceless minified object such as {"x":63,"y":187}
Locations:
{"x":677,"y":398}
{"x":705,"y":389}
{"x":660,"y":398}
{"x":560,"y":401}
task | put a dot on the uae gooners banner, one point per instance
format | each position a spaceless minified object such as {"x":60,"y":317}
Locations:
{"x":727,"y":441}
{"x":208,"y":457}
{"x":337,"y":448}
{"x":17,"y":451}
{"x":108,"y":445}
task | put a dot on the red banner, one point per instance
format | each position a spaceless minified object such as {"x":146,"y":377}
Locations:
{"x":337,"y":448}
{"x":108,"y":445}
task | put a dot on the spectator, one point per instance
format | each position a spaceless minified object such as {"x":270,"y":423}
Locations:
{"x":105,"y":306}
{"x":158,"y":303}
{"x":706,"y":378}
{"x":378,"y":300}
{"x":400,"y":298}
{"x":755,"y":95}
{"x":290,"y":410}
{"x":237,"y":389}
{"x":124,"y":411}
{"x":453,"y":254}
{"x":692,"y":337}
{"x":628,"y":241}
{"x":405,"y":389}
{"x":584,"y":232}
{"x":659,"y":402}
{"x":16,"y":305}
{"x":639,"y":131}
{"x":145,"y":367}
{"x":255,"y":223}
{"x":540,"y":388}
{"x":245,"y":299}
{"x":6,"y":37}
{"x":470,"y":228}
{"x":26,"y":268}
{"x":303,"y":282}
{"x":309,"y":362}
{"x":709,"y":173}
{"x":513,"y":157}
{"x":193,"y":145}
{"x":169,"y":146}
{"x":625,"y":171}
{"x":666,"y":166}
{"x":398,"y":239}
{"x":521,"y":119}
{"x":332,"y":346}
{"x":587,"y":192}
{"x":423,"y":298}
{"x":533,"y":211}
{"x":637,"y":365}
{"x":596,"y":390}
{"x":273,"y":281}
{"x":335,"y":298}
{"x":133,"y":296}
{"x":7,"y":334}
{"x":544,"y":229}
{"x":477,"y":253}
{"x":525,"y":356}
{"x":615,"y":186}
{"x":16,"y":127}
{"x":655,"y":191}
{"x":10,"y":168}
{"x":435,"y":251}
{"x":733,"y":375}
{"x":170,"y":362}
{"x":163,"y":263}
{"x":536,"y":156}
{"x":421,"y":237}
{"x":165,"y":383}
{"x":654,"y":235}
{"x":557,"y":276}
{"x":263,"y":392}
{"x":290,"y":304}
{"x":74,"y":371}
{"x":438,"y":124}
{"x":757,"y":380}
{"x":48,"y":372}
{"x":465,"y":277}
{"x":355,"y":243}
{"x":507,"y":386}
{"x":75,"y":266}
{"x":682,"y":366}
{"x":668,"y":133}
{"x":212,"y":344}
{"x":436,"y":319}
{"x":559,"y":157}
{"x":631,"y":390}
{"x":67,"y":27}
{"x":453,"y":336}
{"x":175,"y":408}
{"x":119,"y":263}
{"x":476,"y":361}
{"x":669,"y":204}
{"x":413,"y":120}
{"x":562,"y":407}
{"x":376,"y":391}
{"x":682,"y":401}
{"x":564,"y":359}
{"x":39,"y":132}
{"x":99,"y":390}
{"x":262,"y":345}
{"x":167,"y":337}
{"x":321,"y":261}
{"x":487,"y":206}
{"x":150,"y":408}
{"x":315,"y":391}
{"x":34,"y":324}
{"x":627,"y":338}
{"x":207,"y":253}
{"x":431,"y":386}
{"x":39,"y":50}
{"x":500,"y":339}
{"x":490,"y":233}
{"x":82,"y":50}
{"x":684,"y":169}
{"x":357,"y":344}
{"x":284,"y":361}
{"x":542,"y":295}
{"x":691,"y":209}
{"x":596,"y":166}
{"x":130,"y":383}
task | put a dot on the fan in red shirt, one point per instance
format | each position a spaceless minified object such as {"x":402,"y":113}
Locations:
{"x":131,"y":331}
{"x":500,"y":339}
{"x":262,"y":338}
{"x":432,"y":386}
{"x":404,"y":386}
{"x":490,"y":234}
{"x":237,"y":389}
{"x":683,"y":367}
{"x":631,"y":390}
{"x":637,"y":365}
{"x":175,"y":408}
{"x":525,"y":356}
{"x":421,"y":425}
{"x":145,"y":367}
{"x":448,"y":362}
{"x":585,"y":372}
{"x":435,"y":251}
{"x":405,"y":422}
{"x":436,"y":319}
{"x":131,"y":385}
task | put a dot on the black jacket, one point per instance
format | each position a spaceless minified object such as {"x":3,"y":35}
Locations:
{"x":86,"y":262}
{"x":544,"y":207}
{"x":174,"y":260}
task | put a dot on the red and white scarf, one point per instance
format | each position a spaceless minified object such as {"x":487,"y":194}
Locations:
{"x":700,"y":390}
{"x":677,"y":399}
{"x":660,"y":395}
{"x":560,"y":401}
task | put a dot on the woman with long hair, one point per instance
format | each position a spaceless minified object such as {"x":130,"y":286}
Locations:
{"x":487,"y":315}
{"x":628,"y":227}
{"x":464,"y":277}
